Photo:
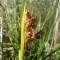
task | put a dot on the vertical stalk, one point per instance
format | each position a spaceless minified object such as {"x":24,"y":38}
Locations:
{"x":22,"y":30}
{"x":0,"y":37}
{"x":55,"y":31}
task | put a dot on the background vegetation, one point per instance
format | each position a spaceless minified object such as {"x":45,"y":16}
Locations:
{"x":47,"y":47}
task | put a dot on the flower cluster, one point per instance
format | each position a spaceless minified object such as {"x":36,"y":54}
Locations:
{"x":30,"y":24}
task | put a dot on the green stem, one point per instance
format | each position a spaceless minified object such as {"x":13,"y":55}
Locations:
{"x":22,"y":30}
